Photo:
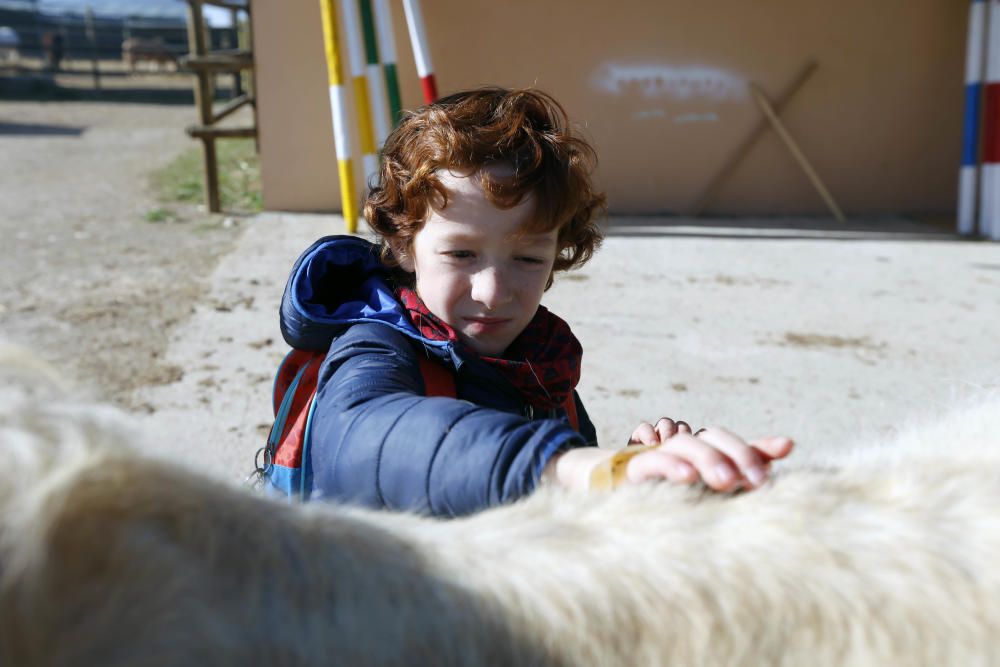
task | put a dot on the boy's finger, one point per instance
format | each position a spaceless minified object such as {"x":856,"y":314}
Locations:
{"x":683,"y":427}
{"x":665,"y":428}
{"x":644,"y":434}
{"x":658,"y":464}
{"x":748,"y":460}
{"x":716,"y":469}
{"x":773,"y":447}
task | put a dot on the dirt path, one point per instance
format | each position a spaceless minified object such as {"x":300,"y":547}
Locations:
{"x":85,"y":279}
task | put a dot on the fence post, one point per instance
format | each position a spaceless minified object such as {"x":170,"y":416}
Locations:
{"x":88,"y":18}
{"x":203,"y":100}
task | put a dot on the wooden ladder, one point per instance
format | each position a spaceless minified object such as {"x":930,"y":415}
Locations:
{"x":205,"y":64}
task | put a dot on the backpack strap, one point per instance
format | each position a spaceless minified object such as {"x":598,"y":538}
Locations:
{"x":294,"y":406}
{"x":438,"y":380}
{"x":570,"y":407}
{"x":294,"y":401}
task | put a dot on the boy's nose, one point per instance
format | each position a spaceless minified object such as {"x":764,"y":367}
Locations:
{"x":490,"y":289}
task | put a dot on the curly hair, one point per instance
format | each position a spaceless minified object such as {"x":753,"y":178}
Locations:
{"x":527,"y":130}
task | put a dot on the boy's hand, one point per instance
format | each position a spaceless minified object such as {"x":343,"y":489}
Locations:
{"x":719,"y":458}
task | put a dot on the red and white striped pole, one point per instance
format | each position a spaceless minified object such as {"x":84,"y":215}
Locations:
{"x":421,"y":53}
{"x":989,"y":208}
{"x":975,"y":52}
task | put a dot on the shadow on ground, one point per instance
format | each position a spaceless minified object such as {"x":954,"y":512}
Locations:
{"x":33,"y":91}
{"x":39,"y":129}
{"x":33,"y":86}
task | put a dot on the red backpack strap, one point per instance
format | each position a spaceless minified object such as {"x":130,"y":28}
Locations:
{"x":293,"y":400}
{"x":287,"y":372}
{"x":570,"y":407}
{"x":438,"y":380}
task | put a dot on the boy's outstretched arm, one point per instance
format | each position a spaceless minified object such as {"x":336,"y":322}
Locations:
{"x":377,"y":440}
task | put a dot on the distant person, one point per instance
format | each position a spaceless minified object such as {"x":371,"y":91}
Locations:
{"x":482,"y":197}
{"x":52,"y":43}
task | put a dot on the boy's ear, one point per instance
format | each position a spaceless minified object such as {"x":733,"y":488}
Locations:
{"x":402,"y":255}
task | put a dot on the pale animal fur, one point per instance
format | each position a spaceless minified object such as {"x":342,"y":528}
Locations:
{"x":887,"y":555}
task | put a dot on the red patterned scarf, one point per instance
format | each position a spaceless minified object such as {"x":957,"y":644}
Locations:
{"x":543,"y":362}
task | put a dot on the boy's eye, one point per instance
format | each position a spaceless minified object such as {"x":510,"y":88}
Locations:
{"x":530,"y":260}
{"x":459,"y":254}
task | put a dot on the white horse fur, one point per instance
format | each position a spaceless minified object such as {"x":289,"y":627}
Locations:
{"x":884,"y":555}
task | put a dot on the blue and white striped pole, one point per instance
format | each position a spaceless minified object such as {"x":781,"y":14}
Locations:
{"x":969,"y":173}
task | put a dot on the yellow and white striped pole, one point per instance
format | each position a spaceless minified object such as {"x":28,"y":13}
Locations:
{"x":338,"y":110}
{"x":356,"y":61}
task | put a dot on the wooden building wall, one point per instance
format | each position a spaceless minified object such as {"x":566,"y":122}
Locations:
{"x":660,"y":87}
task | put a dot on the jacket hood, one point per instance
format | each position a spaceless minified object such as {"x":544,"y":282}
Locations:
{"x":339,"y":281}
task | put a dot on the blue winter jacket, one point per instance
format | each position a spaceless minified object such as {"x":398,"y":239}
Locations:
{"x":375,"y":438}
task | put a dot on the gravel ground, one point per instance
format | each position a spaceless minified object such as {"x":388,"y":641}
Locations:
{"x":86,"y":281}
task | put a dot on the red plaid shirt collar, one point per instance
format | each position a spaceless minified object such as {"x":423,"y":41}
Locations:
{"x":543,"y":362}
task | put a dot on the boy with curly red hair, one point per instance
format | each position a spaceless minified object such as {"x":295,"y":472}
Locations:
{"x":482,"y":197}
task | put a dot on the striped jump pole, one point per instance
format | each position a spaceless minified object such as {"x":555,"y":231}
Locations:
{"x":989,"y":209}
{"x":373,"y":75}
{"x":338,"y":110}
{"x":421,"y":54}
{"x":975,"y":52}
{"x":362,"y":106}
{"x":387,"y":54}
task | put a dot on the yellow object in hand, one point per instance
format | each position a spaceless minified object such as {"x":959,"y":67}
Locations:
{"x":609,"y":474}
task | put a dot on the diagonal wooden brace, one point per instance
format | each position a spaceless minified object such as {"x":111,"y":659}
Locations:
{"x":756,"y":133}
{"x":793,"y":148}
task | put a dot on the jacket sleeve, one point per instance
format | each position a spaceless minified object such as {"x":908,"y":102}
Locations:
{"x":376,"y":440}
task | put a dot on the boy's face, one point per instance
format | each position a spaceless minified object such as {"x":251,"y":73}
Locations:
{"x":474,"y":271}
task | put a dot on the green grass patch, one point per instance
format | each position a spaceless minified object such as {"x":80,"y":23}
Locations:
{"x":160,"y":214}
{"x":239,"y":177}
